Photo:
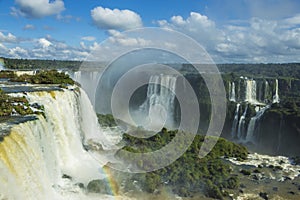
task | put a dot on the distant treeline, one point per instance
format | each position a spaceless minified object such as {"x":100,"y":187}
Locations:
{"x":30,"y":64}
{"x":273,"y":70}
{"x":291,"y":70}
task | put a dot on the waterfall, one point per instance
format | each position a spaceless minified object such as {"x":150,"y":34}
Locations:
{"x":37,"y":153}
{"x":235,"y":121}
{"x":253,"y":124}
{"x":266,"y":91}
{"x":232,"y":91}
{"x":88,"y":81}
{"x":241,"y":125}
{"x":250,"y":95}
{"x":276,"y":95}
{"x":159,"y":104}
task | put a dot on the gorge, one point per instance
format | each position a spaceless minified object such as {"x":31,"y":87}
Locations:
{"x":56,"y":153}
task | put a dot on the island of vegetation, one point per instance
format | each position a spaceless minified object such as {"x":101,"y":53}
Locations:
{"x":11,"y":105}
{"x":189,"y":175}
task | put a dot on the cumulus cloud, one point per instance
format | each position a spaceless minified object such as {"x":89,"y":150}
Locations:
{"x":18,"y":52}
{"x":9,"y":38}
{"x":197,"y":26}
{"x":253,"y":40}
{"x":117,"y":37}
{"x":37,"y":8}
{"x":105,"y":18}
{"x":44,"y":43}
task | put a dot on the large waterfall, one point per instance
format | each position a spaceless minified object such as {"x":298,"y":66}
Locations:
{"x":38,"y":155}
{"x":253,"y":124}
{"x":232,"y":91}
{"x":159,"y":103}
{"x":259,"y":93}
{"x":241,"y":125}
{"x":276,"y":96}
{"x":88,"y":81}
{"x":250,"y":95}
{"x":235,"y":121}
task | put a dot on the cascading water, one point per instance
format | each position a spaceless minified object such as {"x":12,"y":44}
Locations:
{"x":253,"y":124}
{"x":241,"y":125}
{"x":159,"y":105}
{"x":232,"y":91}
{"x":266,"y":91}
{"x":88,"y":81}
{"x":276,"y":95}
{"x":235,"y":121}
{"x":250,"y":95}
{"x":36,"y":154}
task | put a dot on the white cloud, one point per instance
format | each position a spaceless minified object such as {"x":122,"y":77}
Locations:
{"x":123,"y":40}
{"x":253,"y":40}
{"x":37,"y":8}
{"x":9,"y":38}
{"x":197,"y":26}
{"x":106,"y":18}
{"x":18,"y":52}
{"x":29,"y":27}
{"x":88,"y":38}
{"x":44,"y":43}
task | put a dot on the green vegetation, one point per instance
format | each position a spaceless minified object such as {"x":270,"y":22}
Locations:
{"x":7,"y":74}
{"x":189,"y":175}
{"x":14,"y":105}
{"x":106,"y":120}
{"x":45,"y":77}
{"x":40,"y":64}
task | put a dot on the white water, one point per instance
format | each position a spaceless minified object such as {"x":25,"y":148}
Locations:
{"x":235,"y":121}
{"x":254,"y":123}
{"x":1,"y":67}
{"x":241,"y":125}
{"x":250,"y":95}
{"x":288,"y":169}
{"x":159,"y":105}
{"x":276,"y":95}
{"x":37,"y":153}
{"x":232,"y":92}
{"x":266,"y":90}
{"x":88,"y":81}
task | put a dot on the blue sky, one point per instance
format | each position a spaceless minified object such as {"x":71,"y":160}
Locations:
{"x":230,"y":30}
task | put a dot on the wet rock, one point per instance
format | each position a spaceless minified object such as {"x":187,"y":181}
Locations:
{"x":80,"y":185}
{"x":258,"y":177}
{"x":264,"y":195}
{"x":66,"y":176}
{"x":291,"y":192}
{"x":245,"y":172}
{"x":98,"y":186}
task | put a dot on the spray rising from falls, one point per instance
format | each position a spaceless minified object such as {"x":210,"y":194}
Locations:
{"x":160,"y":101}
{"x":37,"y":154}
